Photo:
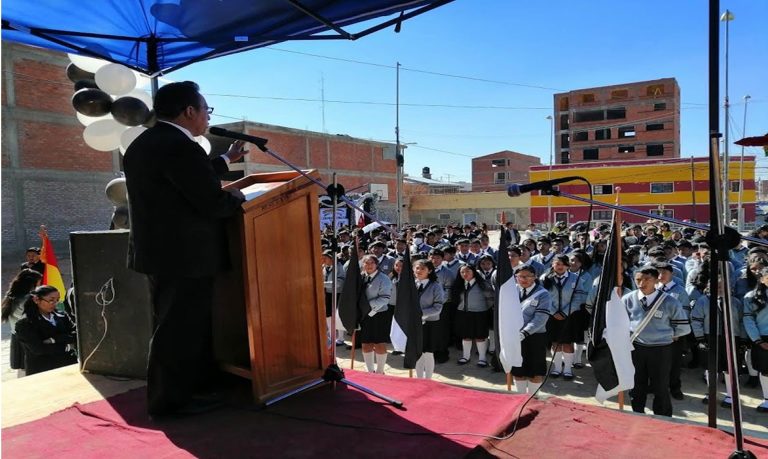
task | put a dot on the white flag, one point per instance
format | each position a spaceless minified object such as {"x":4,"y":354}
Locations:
{"x":617,"y":335}
{"x":510,"y":324}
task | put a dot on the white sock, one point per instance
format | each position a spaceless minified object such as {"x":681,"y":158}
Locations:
{"x":557,"y":359}
{"x":748,"y":358}
{"x":368,"y":359}
{"x":568,"y":366}
{"x":578,"y":350}
{"x":339,"y":335}
{"x":533,"y":387}
{"x":727,"y":384}
{"x":328,"y":331}
{"x":466,"y":346}
{"x":429,"y":364}
{"x":381,"y":359}
{"x":764,"y":385}
{"x":491,"y":341}
{"x":420,"y":367}
{"x":521,"y":385}
{"x":482,"y":347}
{"x":706,"y":377}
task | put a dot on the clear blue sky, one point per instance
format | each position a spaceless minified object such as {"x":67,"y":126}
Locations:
{"x":525,"y":52}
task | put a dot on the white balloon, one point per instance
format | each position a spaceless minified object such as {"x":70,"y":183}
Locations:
{"x":116,"y":79}
{"x":89,"y":64}
{"x":204,"y":142}
{"x":103,"y":135}
{"x":142,"y":80}
{"x":143,"y":96}
{"x":88,"y":120}
{"x":129,"y":135}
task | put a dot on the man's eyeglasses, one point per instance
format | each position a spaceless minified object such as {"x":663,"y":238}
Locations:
{"x":207,"y":110}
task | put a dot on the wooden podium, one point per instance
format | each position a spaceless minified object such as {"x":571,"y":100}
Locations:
{"x":269,"y":313}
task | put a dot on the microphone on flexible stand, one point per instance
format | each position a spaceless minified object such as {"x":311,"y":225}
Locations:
{"x":517,"y":189}
{"x":258,"y":141}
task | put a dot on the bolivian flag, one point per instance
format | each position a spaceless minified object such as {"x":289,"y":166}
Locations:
{"x":52,"y":275}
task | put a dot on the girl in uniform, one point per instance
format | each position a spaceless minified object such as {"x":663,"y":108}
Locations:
{"x":474,"y":299}
{"x":328,"y":260}
{"x":376,"y":325}
{"x":756,"y":326}
{"x":568,"y":293}
{"x":579,"y":261}
{"x":431,"y":298}
{"x":13,"y":310}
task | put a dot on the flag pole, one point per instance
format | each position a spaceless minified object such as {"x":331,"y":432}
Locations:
{"x":619,"y":267}
{"x":352,"y":353}
{"x":509,"y":382}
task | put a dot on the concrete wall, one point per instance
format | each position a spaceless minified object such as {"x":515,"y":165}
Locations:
{"x":515,"y":169}
{"x":483,"y":207}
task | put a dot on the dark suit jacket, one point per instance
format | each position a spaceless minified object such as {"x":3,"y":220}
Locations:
{"x":39,"y":356}
{"x":176,"y":205}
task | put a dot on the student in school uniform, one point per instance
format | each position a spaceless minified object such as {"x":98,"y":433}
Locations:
{"x":545,"y":255}
{"x":536,"y":304}
{"x":756,"y":327}
{"x":376,"y":326}
{"x":652,"y":354}
{"x":568,"y":291}
{"x":463,"y":254}
{"x":486,"y":268}
{"x":473,"y":297}
{"x":448,"y":272}
{"x":328,"y":281}
{"x":431,"y":298}
{"x":379,"y":250}
{"x":579,"y":265}
{"x":397,"y":270}
{"x":669,"y":285}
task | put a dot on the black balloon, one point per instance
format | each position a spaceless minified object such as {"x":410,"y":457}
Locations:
{"x":82,"y":84}
{"x":75,"y":74}
{"x":151,"y":119}
{"x":130,"y":111}
{"x":92,"y":102}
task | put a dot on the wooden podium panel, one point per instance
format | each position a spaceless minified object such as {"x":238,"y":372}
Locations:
{"x":269,"y":320}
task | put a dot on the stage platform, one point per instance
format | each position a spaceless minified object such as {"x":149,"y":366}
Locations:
{"x":65,"y":414}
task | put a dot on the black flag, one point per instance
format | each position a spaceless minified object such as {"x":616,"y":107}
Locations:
{"x":353,"y":304}
{"x":408,"y":313}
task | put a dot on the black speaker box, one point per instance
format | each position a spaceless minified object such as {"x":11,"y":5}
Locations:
{"x":113,"y":306}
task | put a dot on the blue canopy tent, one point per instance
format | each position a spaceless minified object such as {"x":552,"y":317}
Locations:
{"x":159,"y":36}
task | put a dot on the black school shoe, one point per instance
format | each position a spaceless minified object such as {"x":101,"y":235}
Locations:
{"x":677,"y":395}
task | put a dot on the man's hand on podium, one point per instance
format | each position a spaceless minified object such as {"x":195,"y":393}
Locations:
{"x":236,"y":193}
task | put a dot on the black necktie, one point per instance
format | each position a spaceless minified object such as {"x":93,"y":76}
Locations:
{"x":644,"y":302}
{"x":523,"y":294}
{"x":421,"y":288}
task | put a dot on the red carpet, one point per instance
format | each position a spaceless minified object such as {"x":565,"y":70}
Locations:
{"x":346,"y":423}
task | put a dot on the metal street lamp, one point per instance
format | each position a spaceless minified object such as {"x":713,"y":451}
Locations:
{"x":726,"y":17}
{"x":740,"y":209}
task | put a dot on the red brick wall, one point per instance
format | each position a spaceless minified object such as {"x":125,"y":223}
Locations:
{"x":42,"y":86}
{"x":515,"y":169}
{"x":58,"y":146}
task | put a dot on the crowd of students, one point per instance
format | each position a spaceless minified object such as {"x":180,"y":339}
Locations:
{"x":666,"y":294}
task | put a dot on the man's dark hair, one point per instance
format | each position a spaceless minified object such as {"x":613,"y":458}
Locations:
{"x":648,"y":270}
{"x":172,"y":99}
{"x":34,"y":249}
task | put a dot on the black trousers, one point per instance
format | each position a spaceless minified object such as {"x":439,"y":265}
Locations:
{"x":181,"y":350}
{"x":678,"y":347}
{"x":652,"y":366}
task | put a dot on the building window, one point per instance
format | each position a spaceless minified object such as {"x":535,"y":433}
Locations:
{"x":580,"y":136}
{"x":662,"y":187}
{"x":654,"y":90}
{"x":565,"y":140}
{"x":654,"y":127}
{"x":500,"y":177}
{"x":565,"y":157}
{"x":561,"y":217}
{"x":498,"y":162}
{"x":659,"y":106}
{"x":626,"y":132}
{"x":564,"y":121}
{"x":444,"y":217}
{"x":626,"y":149}
{"x":604,"y":215}
{"x":619,"y":94}
{"x":735,"y":184}
{"x":616,"y":113}
{"x":602,"y":189}
{"x":469,"y":218}
{"x":654,"y":149}
{"x":602,"y":134}
{"x":668,"y":213}
{"x":590,"y":154}
{"x":587,"y":98}
{"x":588,"y":116}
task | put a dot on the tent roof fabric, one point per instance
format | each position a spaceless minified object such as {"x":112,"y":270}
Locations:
{"x":159,"y":36}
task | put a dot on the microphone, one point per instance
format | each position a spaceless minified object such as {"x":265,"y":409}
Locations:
{"x":258,"y":141}
{"x":517,"y":189}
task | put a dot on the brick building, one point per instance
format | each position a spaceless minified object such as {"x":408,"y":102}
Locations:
{"x":493,"y":172}
{"x":49,"y":175}
{"x":620,"y":122}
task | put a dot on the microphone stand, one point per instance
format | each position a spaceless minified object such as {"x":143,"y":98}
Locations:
{"x":720,"y":239}
{"x":333,"y":373}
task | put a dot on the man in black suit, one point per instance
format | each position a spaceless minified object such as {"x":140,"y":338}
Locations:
{"x":177,"y":210}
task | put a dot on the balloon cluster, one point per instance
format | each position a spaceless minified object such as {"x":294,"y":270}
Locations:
{"x":108,"y":102}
